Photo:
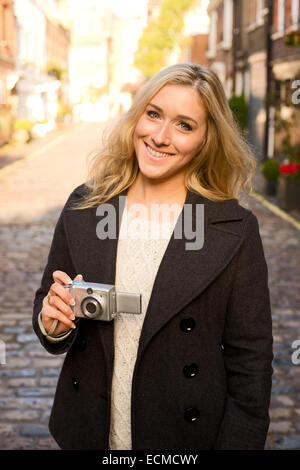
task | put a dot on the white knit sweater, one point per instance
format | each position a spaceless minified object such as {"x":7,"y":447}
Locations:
{"x":141,"y":246}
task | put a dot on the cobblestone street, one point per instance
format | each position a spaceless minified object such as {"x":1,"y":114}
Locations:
{"x":31,"y":198}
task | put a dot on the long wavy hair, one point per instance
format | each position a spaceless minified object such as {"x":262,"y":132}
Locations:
{"x":223,"y":167}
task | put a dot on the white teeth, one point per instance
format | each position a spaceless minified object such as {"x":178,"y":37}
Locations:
{"x":157,"y":154}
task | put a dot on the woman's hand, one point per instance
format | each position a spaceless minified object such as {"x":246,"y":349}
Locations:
{"x":56,"y":305}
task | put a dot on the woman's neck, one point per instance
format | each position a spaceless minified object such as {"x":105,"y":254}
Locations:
{"x":147,"y":193}
{"x":159,"y":202}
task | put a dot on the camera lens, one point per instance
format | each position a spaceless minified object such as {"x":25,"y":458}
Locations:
{"x":91,"y":308}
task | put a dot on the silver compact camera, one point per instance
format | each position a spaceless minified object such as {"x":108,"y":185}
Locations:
{"x":101,"y":301}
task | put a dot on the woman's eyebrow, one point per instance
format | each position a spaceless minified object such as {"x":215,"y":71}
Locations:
{"x":181,"y":116}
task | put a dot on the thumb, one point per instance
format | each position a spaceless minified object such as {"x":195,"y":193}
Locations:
{"x":79,"y":277}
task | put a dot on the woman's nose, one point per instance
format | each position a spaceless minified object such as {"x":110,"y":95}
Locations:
{"x":161,"y":136}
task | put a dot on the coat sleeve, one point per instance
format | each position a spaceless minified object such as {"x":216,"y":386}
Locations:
{"x":247,"y":343}
{"x":58,"y":259}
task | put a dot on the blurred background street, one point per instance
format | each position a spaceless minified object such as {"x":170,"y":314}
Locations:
{"x":68,"y":67}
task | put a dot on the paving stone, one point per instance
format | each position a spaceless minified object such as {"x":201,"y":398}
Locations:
{"x":50,"y":372}
{"x":27,"y":338}
{"x":34,"y":430}
{"x":21,"y":382}
{"x":48,"y":381}
{"x":289,"y":443}
{"x":46,"y":444}
{"x":15,"y":442}
{"x":17,"y":373}
{"x":277,"y":413}
{"x":35,"y":392}
{"x":281,"y":427}
{"x":19,"y":415}
{"x":286,"y":401}
{"x":17,"y":362}
{"x":13,"y":330}
{"x":51,"y":362}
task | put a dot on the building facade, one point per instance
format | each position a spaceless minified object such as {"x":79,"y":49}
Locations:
{"x":37,"y":91}
{"x":285,"y":79}
{"x":7,"y":68}
{"x":256,"y":40}
{"x":219,"y":51}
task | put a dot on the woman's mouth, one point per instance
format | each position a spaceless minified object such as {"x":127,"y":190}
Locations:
{"x":156,"y":154}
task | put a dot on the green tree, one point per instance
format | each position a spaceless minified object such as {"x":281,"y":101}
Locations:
{"x":161,"y":36}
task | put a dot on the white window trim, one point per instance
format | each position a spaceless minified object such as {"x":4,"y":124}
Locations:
{"x":211,"y":53}
{"x":227,"y":24}
{"x":260,"y":13}
{"x":277,"y":35}
{"x":259,"y":10}
{"x":280,"y":22}
{"x":295,"y":12}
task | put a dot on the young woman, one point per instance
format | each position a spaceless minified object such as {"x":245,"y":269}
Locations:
{"x":193,"y":370}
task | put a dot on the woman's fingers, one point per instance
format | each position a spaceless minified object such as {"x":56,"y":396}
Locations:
{"x":57,"y":289}
{"x":49,"y":313}
{"x":61,"y":277}
{"x":58,"y":304}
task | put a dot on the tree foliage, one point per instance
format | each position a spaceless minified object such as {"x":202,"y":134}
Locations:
{"x":161,"y":36}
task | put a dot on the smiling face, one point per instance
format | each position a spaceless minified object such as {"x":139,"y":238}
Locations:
{"x":169,"y":133}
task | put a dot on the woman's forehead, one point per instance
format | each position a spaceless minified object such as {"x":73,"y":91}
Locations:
{"x":178,"y":99}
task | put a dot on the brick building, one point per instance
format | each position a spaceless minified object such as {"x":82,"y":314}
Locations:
{"x":254,"y":46}
{"x":255,"y":30}
{"x":237,"y":46}
{"x":285,"y":66}
{"x":219,"y":51}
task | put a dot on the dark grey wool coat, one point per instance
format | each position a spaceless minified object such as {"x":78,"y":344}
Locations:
{"x":202,"y":378}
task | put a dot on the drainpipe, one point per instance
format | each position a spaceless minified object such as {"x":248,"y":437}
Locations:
{"x":269,"y":76}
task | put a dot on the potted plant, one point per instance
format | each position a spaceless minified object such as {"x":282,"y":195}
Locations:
{"x":239,"y":108}
{"x":271,"y":172}
{"x":289,"y":186}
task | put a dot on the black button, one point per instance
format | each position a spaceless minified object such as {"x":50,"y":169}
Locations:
{"x":190,"y":370}
{"x":187,"y":324}
{"x":191,"y":414}
{"x":75,"y":383}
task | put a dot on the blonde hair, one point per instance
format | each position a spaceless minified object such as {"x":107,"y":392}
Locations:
{"x":223,"y":167}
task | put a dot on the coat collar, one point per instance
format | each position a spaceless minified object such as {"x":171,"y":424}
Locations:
{"x":182,"y":275}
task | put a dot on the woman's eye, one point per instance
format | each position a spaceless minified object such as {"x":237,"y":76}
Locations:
{"x":152,"y":114}
{"x":185,"y":126}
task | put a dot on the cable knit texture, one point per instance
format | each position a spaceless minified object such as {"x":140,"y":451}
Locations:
{"x":141,"y":247}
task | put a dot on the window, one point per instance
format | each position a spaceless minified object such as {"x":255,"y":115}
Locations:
{"x":281,"y":17}
{"x":96,"y":27}
{"x":295,"y":12}
{"x":212,"y":39}
{"x":84,"y":54}
{"x":99,"y":54}
{"x":81,"y":27}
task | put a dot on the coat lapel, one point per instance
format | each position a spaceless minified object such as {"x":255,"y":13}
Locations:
{"x":183,"y":274}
